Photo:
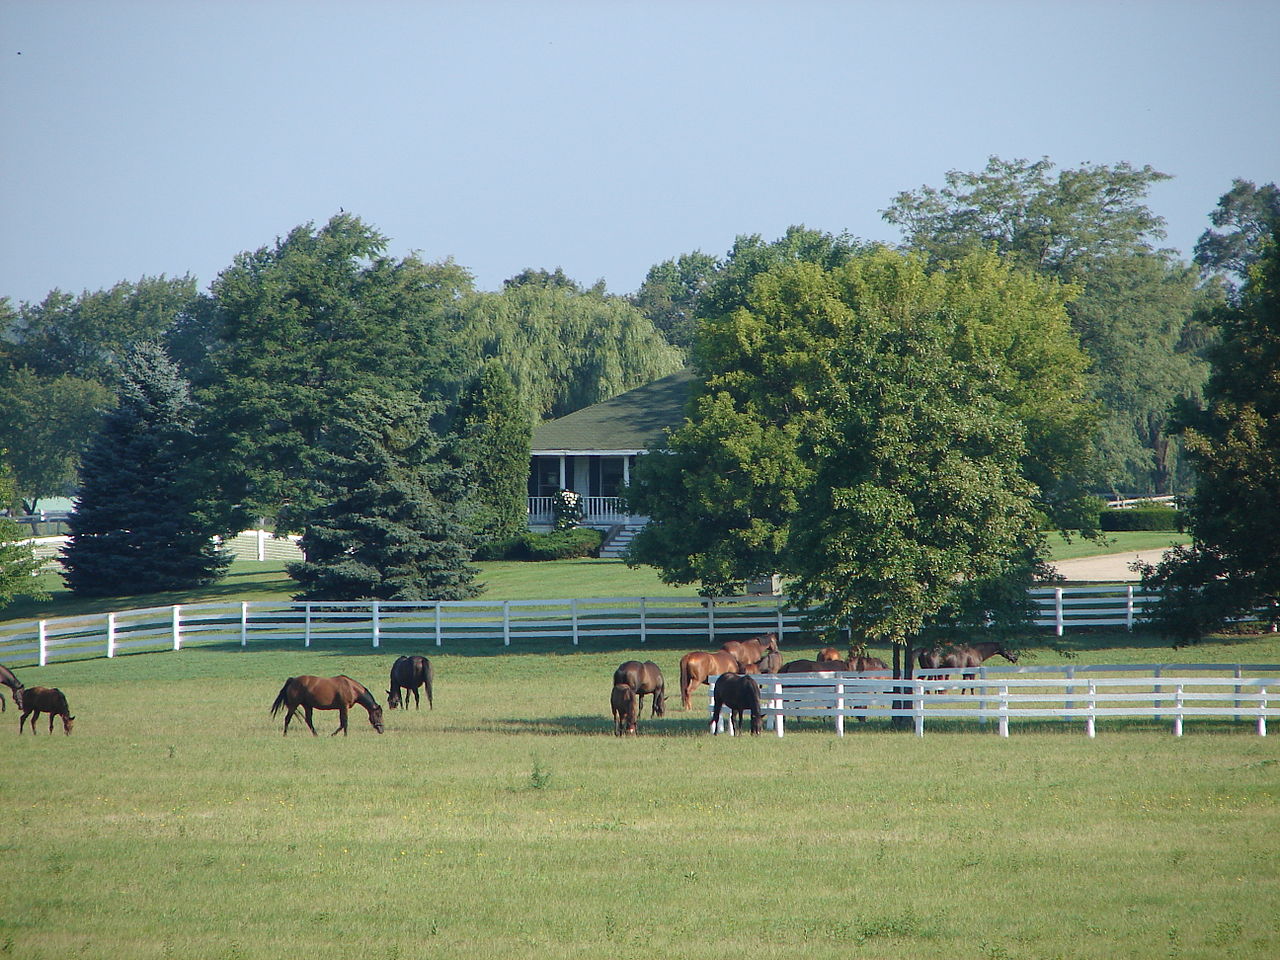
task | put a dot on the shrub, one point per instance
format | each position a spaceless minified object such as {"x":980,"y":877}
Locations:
{"x":1142,"y":518}
{"x":558,"y":545}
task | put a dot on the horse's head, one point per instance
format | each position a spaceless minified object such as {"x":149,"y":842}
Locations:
{"x":68,"y":722}
{"x":375,"y":718}
{"x":1011,"y":657}
{"x":771,"y":641}
{"x":393,"y":699}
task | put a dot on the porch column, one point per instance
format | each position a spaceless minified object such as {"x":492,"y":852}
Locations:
{"x":562,"y":471}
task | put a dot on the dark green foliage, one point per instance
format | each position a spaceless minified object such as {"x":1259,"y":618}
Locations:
{"x":1142,"y":518}
{"x":494,"y":433}
{"x":137,"y":527}
{"x":17,"y":562}
{"x":388,"y":522}
{"x":1232,"y":567}
{"x":671,"y":294}
{"x":557,"y":545}
{"x":1248,"y":213}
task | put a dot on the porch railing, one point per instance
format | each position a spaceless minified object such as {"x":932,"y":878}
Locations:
{"x":594,"y":510}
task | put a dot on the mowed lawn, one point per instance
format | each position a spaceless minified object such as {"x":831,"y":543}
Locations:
{"x":509,"y":822}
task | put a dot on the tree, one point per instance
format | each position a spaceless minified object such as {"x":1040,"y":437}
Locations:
{"x":388,"y":524}
{"x":671,"y":293}
{"x":494,"y":436}
{"x":303,"y":325}
{"x":18,"y":563}
{"x":1232,"y":567}
{"x":1249,"y":213}
{"x":136,"y":527}
{"x":863,"y":429}
{"x":1137,"y":314}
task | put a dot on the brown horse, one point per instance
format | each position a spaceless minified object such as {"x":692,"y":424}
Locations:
{"x":410,"y":673}
{"x":751,"y":651}
{"x":963,"y":655}
{"x":625,"y":712}
{"x":696,"y":667}
{"x":771,"y":663}
{"x":738,"y":692}
{"x":13,"y":683}
{"x":38,"y":700}
{"x":644,"y":678}
{"x":325,"y":693}
{"x":828,"y":653}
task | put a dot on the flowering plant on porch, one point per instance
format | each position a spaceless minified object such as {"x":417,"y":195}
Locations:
{"x":567,"y":508}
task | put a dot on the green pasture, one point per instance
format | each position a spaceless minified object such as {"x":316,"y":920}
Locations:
{"x":509,"y":822}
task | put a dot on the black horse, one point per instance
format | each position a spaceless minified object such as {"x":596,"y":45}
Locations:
{"x":644,"y":678}
{"x":13,"y":683}
{"x":410,"y":673}
{"x":963,"y":655}
{"x":739,"y":692}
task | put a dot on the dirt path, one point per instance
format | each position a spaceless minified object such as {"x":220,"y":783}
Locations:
{"x":1111,"y":566}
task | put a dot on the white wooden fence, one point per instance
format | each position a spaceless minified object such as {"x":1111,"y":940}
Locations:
{"x":1238,"y":692}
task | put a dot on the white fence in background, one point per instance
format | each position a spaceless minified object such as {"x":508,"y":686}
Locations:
{"x":1239,"y":692}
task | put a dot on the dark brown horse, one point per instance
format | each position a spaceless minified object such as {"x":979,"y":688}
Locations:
{"x":751,"y":651}
{"x":963,"y":655}
{"x":625,"y":711}
{"x":13,"y":683}
{"x":645,"y":679}
{"x":738,"y":692}
{"x":696,"y":667}
{"x":771,"y":663}
{"x":38,"y":700}
{"x":410,"y":673}
{"x":855,"y":664}
{"x":325,"y":693}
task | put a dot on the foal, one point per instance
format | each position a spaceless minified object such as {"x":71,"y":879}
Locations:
{"x":38,"y":700}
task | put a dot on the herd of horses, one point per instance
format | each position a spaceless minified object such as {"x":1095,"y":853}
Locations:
{"x":733,"y":665}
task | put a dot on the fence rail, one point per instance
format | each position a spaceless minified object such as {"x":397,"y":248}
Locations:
{"x":1240,"y":693}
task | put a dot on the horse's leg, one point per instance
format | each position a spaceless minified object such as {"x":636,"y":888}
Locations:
{"x":306,"y":715}
{"x":22,"y":720}
{"x":51,"y":719}
{"x":342,"y":721}
{"x":417,"y":701}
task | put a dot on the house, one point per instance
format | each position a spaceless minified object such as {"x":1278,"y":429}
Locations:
{"x":592,"y":451}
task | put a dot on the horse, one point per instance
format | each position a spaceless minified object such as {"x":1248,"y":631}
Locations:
{"x":815,"y":666}
{"x":696,"y":667}
{"x":739,"y":692}
{"x":410,"y":673}
{"x":38,"y":700}
{"x":644,"y":678}
{"x":625,"y":711}
{"x":771,"y":663}
{"x":963,"y":655}
{"x":753,"y":650}
{"x":13,"y":683}
{"x":325,"y":693}
{"x":828,"y":653}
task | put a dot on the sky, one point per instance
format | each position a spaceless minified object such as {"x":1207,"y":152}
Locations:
{"x":165,"y":137}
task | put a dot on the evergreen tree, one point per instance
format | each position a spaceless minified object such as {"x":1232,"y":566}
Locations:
{"x":495,"y":433}
{"x":136,"y":527}
{"x":388,"y":525}
{"x":18,"y":564}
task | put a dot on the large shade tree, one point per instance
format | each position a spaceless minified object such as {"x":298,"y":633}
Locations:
{"x":883,"y":434}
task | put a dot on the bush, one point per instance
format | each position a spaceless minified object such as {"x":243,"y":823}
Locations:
{"x":1142,"y":518}
{"x":559,"y":545}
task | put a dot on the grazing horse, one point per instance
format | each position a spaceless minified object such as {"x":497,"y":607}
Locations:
{"x":751,"y":651}
{"x":410,"y":673}
{"x":625,"y":711}
{"x":963,"y":655}
{"x":325,"y":693}
{"x":13,"y":683}
{"x":828,"y":653}
{"x":38,"y":700}
{"x":738,"y":692}
{"x":696,"y":667}
{"x":644,"y":678}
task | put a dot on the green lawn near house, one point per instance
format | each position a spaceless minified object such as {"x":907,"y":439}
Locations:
{"x":1126,"y":541}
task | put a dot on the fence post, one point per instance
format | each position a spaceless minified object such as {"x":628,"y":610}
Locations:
{"x":375,"y":616}
{"x":1004,"y":711}
{"x":306,"y":632}
{"x":982,"y":704}
{"x":711,"y":619}
{"x":177,"y":626}
{"x":111,"y":635}
{"x":777,"y":693}
{"x":1090,"y":723}
{"x":644,"y":626}
{"x":1177,"y":714}
{"x":573,"y":615}
{"x":1262,"y":712}
{"x":780,"y":623}
{"x":1239,"y":674}
{"x":1159,"y":688}
{"x":1059,"y":623}
{"x":42,"y":639}
{"x":1071,"y":675}
{"x":262,"y":545}
{"x":439,"y":634}
{"x":917,"y":707}
{"x":244,"y":623}
{"x":1128,"y":609}
{"x":839,"y":709}
{"x":506,"y":623}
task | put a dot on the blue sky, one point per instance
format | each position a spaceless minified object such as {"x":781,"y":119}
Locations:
{"x":600,"y":137}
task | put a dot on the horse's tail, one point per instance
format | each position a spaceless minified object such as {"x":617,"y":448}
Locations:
{"x":280,"y":697}
{"x":686,"y":683}
{"x":428,"y":677}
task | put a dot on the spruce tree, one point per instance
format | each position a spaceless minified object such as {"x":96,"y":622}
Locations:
{"x":389,"y":524}
{"x":495,"y":434}
{"x":18,"y":563}
{"x":137,"y":527}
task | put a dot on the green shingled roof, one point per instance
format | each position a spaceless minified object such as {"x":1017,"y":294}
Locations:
{"x":629,"y":421}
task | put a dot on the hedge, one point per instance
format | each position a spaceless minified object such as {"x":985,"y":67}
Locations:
{"x":1142,"y":518}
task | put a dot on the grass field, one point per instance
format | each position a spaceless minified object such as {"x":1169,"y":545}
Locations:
{"x":508,"y":822}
